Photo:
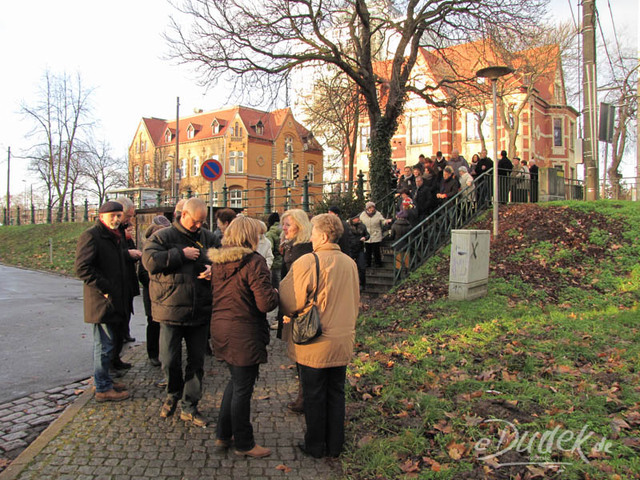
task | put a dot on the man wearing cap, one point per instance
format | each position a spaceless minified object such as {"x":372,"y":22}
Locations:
{"x":176,"y":260}
{"x":101,"y":264}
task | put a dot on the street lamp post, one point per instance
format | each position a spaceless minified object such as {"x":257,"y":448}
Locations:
{"x":493,"y":73}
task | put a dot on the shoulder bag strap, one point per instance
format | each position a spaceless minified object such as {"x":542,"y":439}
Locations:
{"x":315,"y":292}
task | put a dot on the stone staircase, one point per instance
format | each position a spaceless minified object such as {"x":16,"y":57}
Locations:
{"x":380,"y":280}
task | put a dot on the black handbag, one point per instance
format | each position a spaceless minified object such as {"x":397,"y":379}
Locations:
{"x":306,"y":326}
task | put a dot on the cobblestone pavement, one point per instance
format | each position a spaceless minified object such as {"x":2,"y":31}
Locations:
{"x":23,"y":419}
{"x":128,"y":440}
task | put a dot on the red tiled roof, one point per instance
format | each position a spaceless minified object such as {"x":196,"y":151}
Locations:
{"x":272,"y":123}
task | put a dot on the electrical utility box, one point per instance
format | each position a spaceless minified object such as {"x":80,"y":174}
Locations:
{"x":469,"y":264}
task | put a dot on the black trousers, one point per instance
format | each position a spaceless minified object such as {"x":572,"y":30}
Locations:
{"x":153,"y":338}
{"x":324,"y":409}
{"x":373,"y":249}
{"x":187,"y":388}
{"x":234,"y":419}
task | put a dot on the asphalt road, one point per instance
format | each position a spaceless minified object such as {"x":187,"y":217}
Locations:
{"x":44,"y":342}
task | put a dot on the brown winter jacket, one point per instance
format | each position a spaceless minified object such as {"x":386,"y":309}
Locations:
{"x":242,"y":295}
{"x":338,"y":301}
{"x":102,"y":264}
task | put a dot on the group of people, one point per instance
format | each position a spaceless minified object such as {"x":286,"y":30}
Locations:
{"x":202,"y":285}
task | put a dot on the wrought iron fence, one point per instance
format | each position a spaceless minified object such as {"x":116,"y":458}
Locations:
{"x":423,"y":240}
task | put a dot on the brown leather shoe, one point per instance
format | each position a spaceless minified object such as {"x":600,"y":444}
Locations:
{"x":168,"y":407}
{"x":255,"y":452}
{"x":220,"y":444}
{"x":195,"y":418}
{"x":119,"y":386}
{"x":111,"y":396}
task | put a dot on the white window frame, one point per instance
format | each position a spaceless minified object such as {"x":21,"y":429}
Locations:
{"x":168,"y":136}
{"x":420,"y":129}
{"x":195,"y":166}
{"x":184,"y":168}
{"x":311,"y":173}
{"x":146,"y":173}
{"x":167,"y":170}
{"x":235,"y":198}
{"x":236,"y":161}
{"x":558,"y":140}
{"x":191,"y":132}
{"x":472,"y":127}
{"x":365,"y":135}
{"x":136,"y":174}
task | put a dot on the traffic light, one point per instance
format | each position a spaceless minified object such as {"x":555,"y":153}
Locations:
{"x":296,"y":171}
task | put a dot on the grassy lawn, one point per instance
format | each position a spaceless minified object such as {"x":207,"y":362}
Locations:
{"x":28,"y":246}
{"x":535,"y":380}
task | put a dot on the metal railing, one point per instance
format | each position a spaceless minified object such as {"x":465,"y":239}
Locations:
{"x":423,"y":240}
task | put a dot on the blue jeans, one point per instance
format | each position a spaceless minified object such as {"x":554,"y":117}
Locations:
{"x":235,"y":411}
{"x":103,"y":338}
{"x":324,"y":409}
{"x":187,"y":388}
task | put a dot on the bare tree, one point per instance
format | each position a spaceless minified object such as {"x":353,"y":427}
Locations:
{"x":622,"y":92}
{"x":61,"y":115}
{"x":334,"y":110}
{"x":256,"y":45}
{"x":102,"y":170}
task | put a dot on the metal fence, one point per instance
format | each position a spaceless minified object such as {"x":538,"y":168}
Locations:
{"x":21,"y":215}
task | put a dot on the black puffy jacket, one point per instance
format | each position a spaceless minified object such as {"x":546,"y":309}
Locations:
{"x":178,"y":297}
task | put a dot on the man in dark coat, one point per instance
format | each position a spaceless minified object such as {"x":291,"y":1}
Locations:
{"x":359,"y":235}
{"x":484,"y":163}
{"x":101,"y":264}
{"x":449,"y":186}
{"x":126,"y":231}
{"x":345,"y":239}
{"x":504,"y":176}
{"x":176,"y":260}
{"x":533,"y":171}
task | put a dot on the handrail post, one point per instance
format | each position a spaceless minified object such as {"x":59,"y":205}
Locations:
{"x":305,"y":194}
{"x":267,"y":197}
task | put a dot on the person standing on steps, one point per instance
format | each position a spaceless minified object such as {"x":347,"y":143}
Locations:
{"x":101,"y":264}
{"x":375,"y":222}
{"x":176,"y":260}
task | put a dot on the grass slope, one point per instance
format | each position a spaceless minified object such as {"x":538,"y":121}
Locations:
{"x":28,"y":246}
{"x":443,"y":389}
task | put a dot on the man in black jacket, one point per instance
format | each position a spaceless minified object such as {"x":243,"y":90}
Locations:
{"x":177,"y":263}
{"x":102,"y":265}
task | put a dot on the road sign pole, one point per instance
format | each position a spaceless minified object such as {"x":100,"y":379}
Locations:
{"x":211,"y":226}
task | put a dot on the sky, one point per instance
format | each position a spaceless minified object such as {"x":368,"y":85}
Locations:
{"x":118,"y":49}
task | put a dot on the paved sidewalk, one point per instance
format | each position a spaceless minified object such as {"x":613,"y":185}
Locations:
{"x":128,"y":440}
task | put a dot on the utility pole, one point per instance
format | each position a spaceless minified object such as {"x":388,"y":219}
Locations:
{"x":590,"y":92}
{"x":174,"y":181}
{"x":8,"y":182}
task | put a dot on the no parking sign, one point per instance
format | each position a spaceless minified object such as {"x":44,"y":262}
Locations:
{"x":211,"y":170}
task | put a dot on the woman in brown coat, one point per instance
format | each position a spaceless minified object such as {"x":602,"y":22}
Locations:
{"x":323,"y":362}
{"x":242,"y":296}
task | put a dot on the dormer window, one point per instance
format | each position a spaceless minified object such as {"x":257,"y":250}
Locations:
{"x":215,"y":126}
{"x":168,"y":136}
{"x":191,"y":132}
{"x":260,"y":128}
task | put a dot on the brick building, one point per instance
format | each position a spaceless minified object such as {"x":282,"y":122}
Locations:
{"x":547,"y":125}
{"x":253,"y":146}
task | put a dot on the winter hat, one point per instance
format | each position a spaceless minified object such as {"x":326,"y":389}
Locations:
{"x":369,"y":204}
{"x":108,"y":207}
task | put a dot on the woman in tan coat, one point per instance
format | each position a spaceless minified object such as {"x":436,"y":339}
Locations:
{"x":323,"y":362}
